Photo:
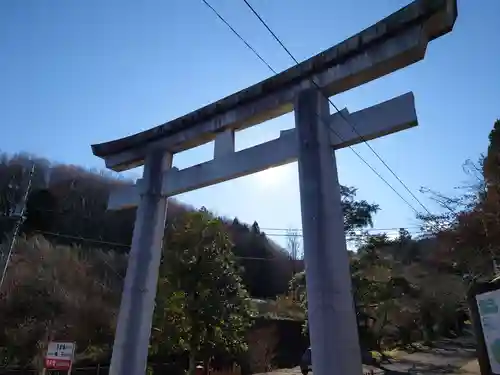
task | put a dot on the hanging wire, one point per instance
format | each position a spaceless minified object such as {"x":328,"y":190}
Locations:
{"x":328,"y":125}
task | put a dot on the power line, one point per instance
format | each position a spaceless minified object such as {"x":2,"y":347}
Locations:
{"x":337,"y":109}
{"x":83,"y":239}
{"x":117,"y":244}
{"x":330,"y":128}
{"x":365,"y":230}
{"x":348,"y":238}
{"x":274,"y":229}
{"x":239,"y":36}
{"x":122,"y":245}
{"x":112,"y":268}
{"x":53,"y":234}
{"x":288,"y":232}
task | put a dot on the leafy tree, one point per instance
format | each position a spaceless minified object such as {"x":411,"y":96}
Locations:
{"x":468,"y":231}
{"x":491,"y":165}
{"x":357,"y":213}
{"x":263,"y":279}
{"x":403,"y":235}
{"x":255,"y":228}
{"x":202,"y":306}
{"x":370,"y":245}
{"x":385,"y":300}
{"x":467,"y":237}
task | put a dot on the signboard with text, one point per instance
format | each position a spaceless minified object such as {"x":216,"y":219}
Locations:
{"x":59,"y":355}
{"x":484,"y":305}
{"x":489,"y":316}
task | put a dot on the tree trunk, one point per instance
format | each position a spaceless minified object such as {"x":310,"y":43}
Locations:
{"x":192,"y":362}
{"x":428,"y":323}
{"x":206,"y":365}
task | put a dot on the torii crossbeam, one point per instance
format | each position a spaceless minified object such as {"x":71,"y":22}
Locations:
{"x":385,"y":118}
{"x":393,"y":43}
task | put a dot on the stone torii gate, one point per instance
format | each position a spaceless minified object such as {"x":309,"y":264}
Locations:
{"x":391,"y":44}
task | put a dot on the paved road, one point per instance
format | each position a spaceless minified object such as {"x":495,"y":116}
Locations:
{"x":446,"y":357}
{"x":296,"y":371}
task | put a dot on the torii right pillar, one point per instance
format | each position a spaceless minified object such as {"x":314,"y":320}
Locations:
{"x":333,"y":329}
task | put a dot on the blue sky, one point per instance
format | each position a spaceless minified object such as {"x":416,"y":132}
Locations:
{"x":75,"y":73}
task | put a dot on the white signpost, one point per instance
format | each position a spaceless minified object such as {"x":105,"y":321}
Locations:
{"x":393,"y":43}
{"x":60,"y":356}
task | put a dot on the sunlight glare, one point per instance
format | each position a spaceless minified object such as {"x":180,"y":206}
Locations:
{"x":273,"y":177}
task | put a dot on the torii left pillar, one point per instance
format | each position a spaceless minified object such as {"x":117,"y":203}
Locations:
{"x":130,"y":351}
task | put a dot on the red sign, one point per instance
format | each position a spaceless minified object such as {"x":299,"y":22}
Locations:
{"x":59,"y":355}
{"x":57,"y":364}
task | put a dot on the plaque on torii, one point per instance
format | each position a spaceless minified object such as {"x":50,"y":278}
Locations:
{"x":393,"y":43}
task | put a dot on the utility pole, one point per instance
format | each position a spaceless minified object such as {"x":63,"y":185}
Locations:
{"x":19,"y":216}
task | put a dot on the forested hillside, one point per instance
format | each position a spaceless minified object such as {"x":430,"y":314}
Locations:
{"x":68,"y":266}
{"x":69,"y":263}
{"x":68,"y":206}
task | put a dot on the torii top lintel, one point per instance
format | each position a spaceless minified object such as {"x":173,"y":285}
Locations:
{"x":391,"y":44}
